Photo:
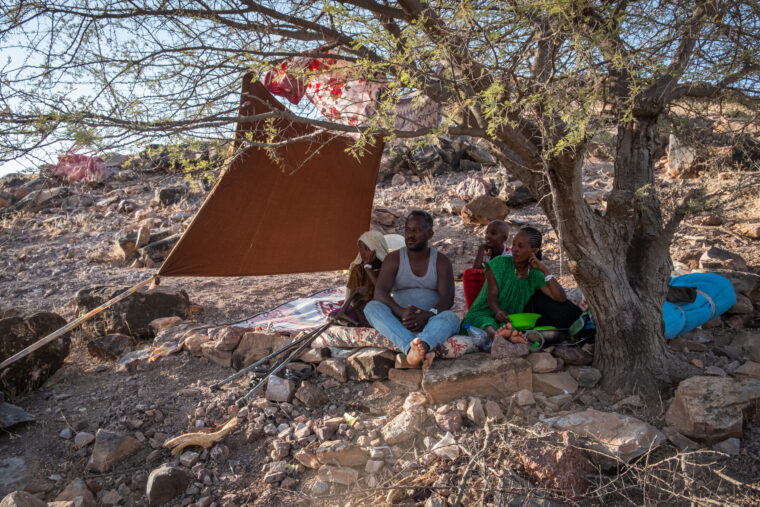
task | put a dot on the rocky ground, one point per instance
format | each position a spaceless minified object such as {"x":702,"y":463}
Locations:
{"x":363,"y":430}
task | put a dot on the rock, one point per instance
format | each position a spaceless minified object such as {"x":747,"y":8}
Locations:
{"x":194,"y":343}
{"x":216,"y":356}
{"x":337,"y":452}
{"x":30,"y":372}
{"x":712,"y":408}
{"x":542,"y":362}
{"x":743,"y":306}
{"x":320,"y":488}
{"x":338,"y":475}
{"x":751,"y":231}
{"x":408,"y":379}
{"x":110,"y":449}
{"x":279,"y":389}
{"x":170,"y":195}
{"x":749,"y":369}
{"x":83,"y":439}
{"x":517,"y":196}
{"x":718,"y":258}
{"x":480,"y":154}
{"x":10,"y":414}
{"x":280,"y":450}
{"x":276,"y":472}
{"x":311,"y":395}
{"x":747,"y":343}
{"x":307,"y":459}
{"x":493,"y":411}
{"x":373,"y":466}
{"x":586,"y":376}
{"x":476,"y":375}
{"x":454,"y":206}
{"x":415,"y":399}
{"x":66,"y":433}
{"x":253,"y":432}
{"x":398,"y":179}
{"x":131,"y":316}
{"x":74,"y":489}
{"x":166,"y":482}
{"x":475,"y":412}
{"x":681,"y":442}
{"x":370,"y":363}
{"x":404,"y":426}
{"x":228,"y":338}
{"x":162,"y":323}
{"x":554,"y":383}
{"x":472,"y":187}
{"x":620,"y":436}
{"x":384,"y":216}
{"x":111,"y":497}
{"x":334,"y":367}
{"x":252,"y":346}
{"x":137,"y":360}
{"x":573,"y":356}
{"x":503,"y":348}
{"x":110,"y":347}
{"x":681,"y":159}
{"x":730,"y":446}
{"x":21,"y":499}
{"x":314,"y":356}
{"x":158,"y":250}
{"x":556,"y":465}
{"x":189,"y":458}
{"x":449,"y":420}
{"x":524,"y":398}
{"x":484,"y":209}
{"x":714,"y":370}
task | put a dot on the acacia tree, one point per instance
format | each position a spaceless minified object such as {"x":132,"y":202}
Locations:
{"x":535,"y":79}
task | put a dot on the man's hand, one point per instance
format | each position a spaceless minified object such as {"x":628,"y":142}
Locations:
{"x":501,"y":316}
{"x":414,"y":319}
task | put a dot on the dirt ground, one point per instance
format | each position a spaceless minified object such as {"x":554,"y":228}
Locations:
{"x":49,"y":255}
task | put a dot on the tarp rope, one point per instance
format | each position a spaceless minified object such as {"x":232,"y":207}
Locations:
{"x":74,"y":323}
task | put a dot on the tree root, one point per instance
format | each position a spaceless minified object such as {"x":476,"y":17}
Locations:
{"x":205,"y":440}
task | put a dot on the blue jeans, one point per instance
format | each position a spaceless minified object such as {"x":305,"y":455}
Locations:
{"x":437,"y":330}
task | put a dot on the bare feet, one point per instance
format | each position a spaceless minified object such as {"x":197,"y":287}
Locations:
{"x":428,"y":362}
{"x":510,"y":334}
{"x":417,"y":353}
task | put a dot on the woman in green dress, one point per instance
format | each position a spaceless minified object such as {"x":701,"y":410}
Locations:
{"x":510,"y":283}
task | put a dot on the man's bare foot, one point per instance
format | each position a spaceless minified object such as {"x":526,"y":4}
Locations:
{"x":428,"y":362}
{"x":416,"y":354}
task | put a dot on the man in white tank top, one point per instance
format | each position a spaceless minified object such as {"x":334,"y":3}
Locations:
{"x":414,"y":294}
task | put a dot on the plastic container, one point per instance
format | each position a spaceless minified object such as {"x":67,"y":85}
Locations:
{"x":479,"y":337}
{"x":523,"y":321}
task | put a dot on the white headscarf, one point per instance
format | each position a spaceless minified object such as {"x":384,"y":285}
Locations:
{"x":375,"y":241}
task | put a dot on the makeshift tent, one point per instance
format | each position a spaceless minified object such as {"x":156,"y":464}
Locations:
{"x":297,"y":208}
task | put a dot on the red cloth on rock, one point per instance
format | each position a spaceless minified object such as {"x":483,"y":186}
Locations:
{"x":473,"y":280}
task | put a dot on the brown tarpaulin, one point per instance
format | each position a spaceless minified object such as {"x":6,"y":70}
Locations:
{"x":260,"y":219}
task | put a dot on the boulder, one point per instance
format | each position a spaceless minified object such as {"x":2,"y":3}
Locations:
{"x":74,"y":489}
{"x":110,"y":347}
{"x":743,"y":306}
{"x":556,"y":463}
{"x":586,"y":376}
{"x":110,"y":449}
{"x":132,"y":315}
{"x":166,"y":482}
{"x":718,"y":258}
{"x":476,"y":375}
{"x":228,"y":338}
{"x":408,"y":379}
{"x":573,"y":356}
{"x":448,"y":418}
{"x":338,"y":475}
{"x":21,"y":499}
{"x":340,"y":453}
{"x":712,"y":408}
{"x":472,"y":187}
{"x":618,"y":436}
{"x":280,"y":389}
{"x":334,"y":367}
{"x":682,"y":159}
{"x":517,"y":196}
{"x":311,"y":395}
{"x":475,"y":412}
{"x":554,"y":383}
{"x":10,"y":414}
{"x":252,"y":346}
{"x":216,"y":356}
{"x":503,"y":348}
{"x":157,"y":251}
{"x":194,"y":342}
{"x":484,"y":209}
{"x":542,"y":362}
{"x":170,"y":195}
{"x":370,"y":363}
{"x":126,"y":245}
{"x":751,"y":231}
{"x":749,"y":369}
{"x":404,"y":426}
{"x":30,"y":372}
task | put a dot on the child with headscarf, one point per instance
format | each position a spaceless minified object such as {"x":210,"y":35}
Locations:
{"x":363,"y":271}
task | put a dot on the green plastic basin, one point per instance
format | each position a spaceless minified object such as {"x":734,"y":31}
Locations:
{"x":523,"y":321}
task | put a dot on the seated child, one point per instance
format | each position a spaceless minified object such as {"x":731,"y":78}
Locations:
{"x":495,"y":245}
{"x":511,"y":283}
{"x":364,"y":270}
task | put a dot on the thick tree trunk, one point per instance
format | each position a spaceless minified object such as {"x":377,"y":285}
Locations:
{"x":619,"y":258}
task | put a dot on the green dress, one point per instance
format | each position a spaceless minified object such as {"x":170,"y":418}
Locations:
{"x":514,"y":293}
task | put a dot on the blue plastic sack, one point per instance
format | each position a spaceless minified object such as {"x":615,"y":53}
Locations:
{"x":715,"y":295}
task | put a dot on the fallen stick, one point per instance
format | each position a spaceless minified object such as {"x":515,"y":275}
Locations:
{"x":205,"y":440}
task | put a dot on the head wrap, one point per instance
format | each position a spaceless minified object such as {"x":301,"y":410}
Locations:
{"x":375,"y":240}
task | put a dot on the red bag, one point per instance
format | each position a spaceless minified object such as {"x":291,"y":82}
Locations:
{"x":473,"y":280}
{"x":79,"y":167}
